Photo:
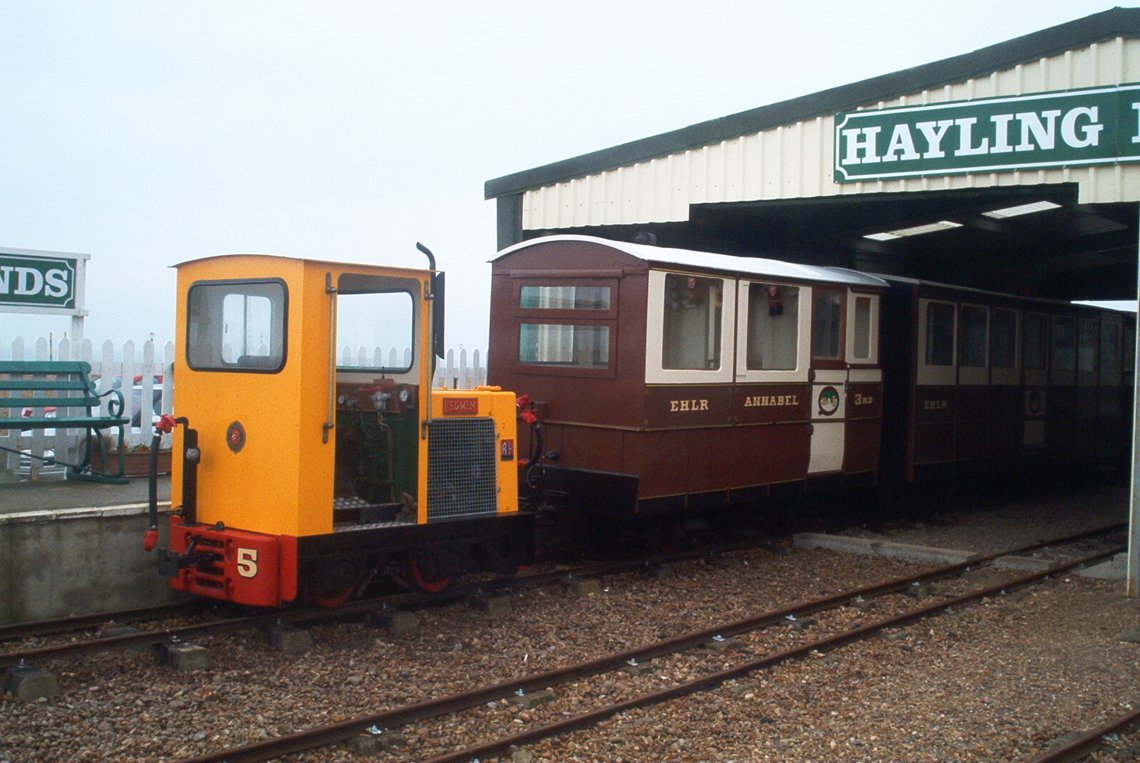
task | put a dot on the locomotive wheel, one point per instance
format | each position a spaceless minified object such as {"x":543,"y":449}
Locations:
{"x":332,"y":583}
{"x":427,"y":575}
{"x":500,"y":556}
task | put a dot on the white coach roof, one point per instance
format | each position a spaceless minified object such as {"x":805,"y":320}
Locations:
{"x":687,"y":258}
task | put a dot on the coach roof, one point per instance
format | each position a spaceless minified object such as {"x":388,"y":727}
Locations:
{"x":657,"y":256}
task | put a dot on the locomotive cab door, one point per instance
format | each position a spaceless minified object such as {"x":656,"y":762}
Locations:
{"x":846,"y":382}
{"x":376,"y":411}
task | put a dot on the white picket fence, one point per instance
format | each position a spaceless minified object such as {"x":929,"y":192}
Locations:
{"x":145,"y":376}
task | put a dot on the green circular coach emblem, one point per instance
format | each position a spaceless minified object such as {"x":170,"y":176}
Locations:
{"x":828,"y":401}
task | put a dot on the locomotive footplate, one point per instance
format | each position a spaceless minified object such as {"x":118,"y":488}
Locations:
{"x":351,"y":509}
{"x":397,"y":536}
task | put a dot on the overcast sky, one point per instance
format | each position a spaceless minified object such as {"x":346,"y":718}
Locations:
{"x":149,"y":133}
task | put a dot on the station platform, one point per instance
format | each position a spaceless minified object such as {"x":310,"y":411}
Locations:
{"x":56,"y":495}
{"x":75,"y":547}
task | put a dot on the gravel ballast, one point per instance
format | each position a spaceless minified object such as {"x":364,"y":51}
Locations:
{"x":996,"y":681}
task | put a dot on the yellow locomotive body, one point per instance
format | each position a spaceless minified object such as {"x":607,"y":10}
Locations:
{"x":315,"y":452}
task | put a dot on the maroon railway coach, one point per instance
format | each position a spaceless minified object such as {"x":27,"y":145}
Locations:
{"x":987,"y":383}
{"x":667,"y":379}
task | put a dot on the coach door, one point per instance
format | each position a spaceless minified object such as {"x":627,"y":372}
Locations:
{"x":846,"y":382}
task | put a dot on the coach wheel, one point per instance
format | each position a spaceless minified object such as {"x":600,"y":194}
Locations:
{"x":428,"y":575}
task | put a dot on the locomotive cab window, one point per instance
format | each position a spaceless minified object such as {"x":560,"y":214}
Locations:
{"x":236,"y":326}
{"x":375,"y":330}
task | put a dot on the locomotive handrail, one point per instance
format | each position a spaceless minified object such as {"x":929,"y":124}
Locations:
{"x":330,"y":421}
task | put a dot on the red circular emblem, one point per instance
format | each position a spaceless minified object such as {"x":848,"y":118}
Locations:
{"x":235,"y":437}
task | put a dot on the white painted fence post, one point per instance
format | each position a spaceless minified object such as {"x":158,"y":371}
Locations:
{"x":463,"y":372}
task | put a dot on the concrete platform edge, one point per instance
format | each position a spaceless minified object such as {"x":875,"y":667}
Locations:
{"x":886,"y":549}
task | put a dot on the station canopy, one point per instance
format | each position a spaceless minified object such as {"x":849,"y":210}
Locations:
{"x":1013,"y":168}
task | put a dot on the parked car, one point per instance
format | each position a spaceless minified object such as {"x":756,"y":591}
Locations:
{"x":135,"y":404}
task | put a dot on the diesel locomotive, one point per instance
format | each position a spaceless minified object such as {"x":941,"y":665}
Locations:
{"x":628,"y":382}
{"x":304,"y":471}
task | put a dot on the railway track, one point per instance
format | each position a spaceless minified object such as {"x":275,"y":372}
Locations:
{"x":44,"y":628}
{"x":718,"y":640}
{"x":221,"y":624}
{"x":1084,"y":744}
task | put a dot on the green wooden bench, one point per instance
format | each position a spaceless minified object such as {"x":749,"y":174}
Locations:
{"x":28,"y":387}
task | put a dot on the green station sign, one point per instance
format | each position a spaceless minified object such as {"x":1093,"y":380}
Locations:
{"x":1058,"y":129}
{"x":39,"y":282}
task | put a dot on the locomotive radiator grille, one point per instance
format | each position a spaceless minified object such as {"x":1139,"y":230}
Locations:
{"x":462,"y":467}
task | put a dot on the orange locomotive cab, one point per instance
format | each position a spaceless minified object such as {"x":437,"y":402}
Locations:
{"x":314,"y":453}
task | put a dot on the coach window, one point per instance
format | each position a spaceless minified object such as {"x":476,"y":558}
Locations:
{"x":577,"y":297}
{"x":773,"y":327}
{"x":566,"y":328}
{"x":1087,"y":332}
{"x":1035,"y":348}
{"x":1063,"y":349}
{"x":937,"y":342}
{"x":690,"y":328}
{"x":827,"y":326}
{"x":564,"y":345}
{"x":236,"y":326}
{"x":1003,"y":346}
{"x":691,"y":324}
{"x":1109,"y":352}
{"x":973,"y":334}
{"x":864,"y":333}
{"x":940,"y":334}
{"x":1036,"y":335}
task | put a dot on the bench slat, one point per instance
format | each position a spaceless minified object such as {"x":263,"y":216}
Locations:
{"x":30,"y":384}
{"x":86,"y":401}
{"x":43,"y":367}
{"x":43,"y":422}
{"x":63,"y":385}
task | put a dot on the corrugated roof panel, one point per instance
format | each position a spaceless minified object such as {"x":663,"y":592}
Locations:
{"x":794,"y":160}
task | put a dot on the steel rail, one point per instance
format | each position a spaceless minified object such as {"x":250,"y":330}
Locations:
{"x":712,"y":680}
{"x":338,"y":732}
{"x":95,"y":619}
{"x":265,"y":619}
{"x":1076,"y":749}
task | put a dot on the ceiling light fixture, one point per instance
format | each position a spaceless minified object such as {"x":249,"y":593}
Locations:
{"x":917,"y":230}
{"x":1021,"y":209}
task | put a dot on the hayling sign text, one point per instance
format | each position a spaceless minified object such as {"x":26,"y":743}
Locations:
{"x":1066,"y":128}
